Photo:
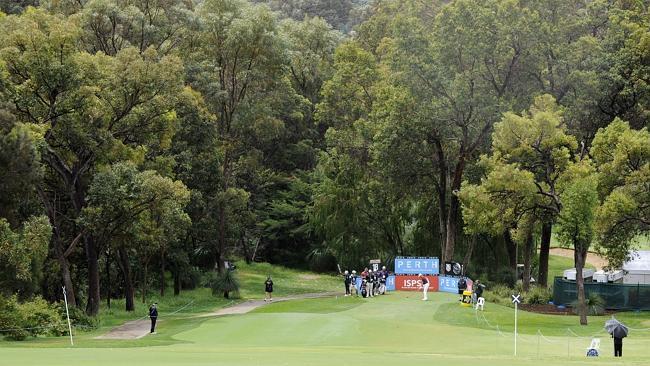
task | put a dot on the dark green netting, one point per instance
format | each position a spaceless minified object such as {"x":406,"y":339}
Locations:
{"x":617,"y":296}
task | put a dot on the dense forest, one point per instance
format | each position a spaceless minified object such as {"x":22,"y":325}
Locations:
{"x":140,"y":139}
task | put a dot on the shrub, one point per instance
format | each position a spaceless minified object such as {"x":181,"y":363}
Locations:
{"x":538,"y":296}
{"x":224,"y":283}
{"x":78,"y":318}
{"x":595,"y":305}
{"x":30,"y":318}
{"x":498,"y":294}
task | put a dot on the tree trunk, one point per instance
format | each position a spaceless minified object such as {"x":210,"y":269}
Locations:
{"x":177,"y":282}
{"x":108,"y":279}
{"x":59,"y":250}
{"x":579,"y":257}
{"x":545,"y":247}
{"x":221,"y":239}
{"x":453,"y":216}
{"x":67,"y":281}
{"x":144,"y":282}
{"x":129,"y":290}
{"x":244,"y":247}
{"x":468,"y":254}
{"x":511,"y":248}
{"x":528,"y":253}
{"x":92,"y":307}
{"x":226,"y":295}
{"x":442,"y":196}
{"x":162,"y":273}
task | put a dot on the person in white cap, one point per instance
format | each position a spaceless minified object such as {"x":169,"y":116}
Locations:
{"x":425,"y":286}
{"x":346,"y":282}
{"x":353,"y":283}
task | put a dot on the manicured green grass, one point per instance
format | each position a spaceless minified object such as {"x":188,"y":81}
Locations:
{"x":176,"y":311}
{"x":397,"y":329}
{"x":285,"y":281}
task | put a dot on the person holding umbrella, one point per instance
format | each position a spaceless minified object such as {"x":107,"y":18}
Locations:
{"x":618,"y":331}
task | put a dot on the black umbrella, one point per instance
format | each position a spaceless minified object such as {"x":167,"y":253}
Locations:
{"x":616,"y":328}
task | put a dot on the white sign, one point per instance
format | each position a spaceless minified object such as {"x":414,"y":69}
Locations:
{"x":515,"y":299}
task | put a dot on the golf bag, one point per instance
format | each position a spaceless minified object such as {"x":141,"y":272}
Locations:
{"x":364,"y":288}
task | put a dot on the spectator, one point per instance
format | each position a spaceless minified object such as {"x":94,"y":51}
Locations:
{"x":618,"y":346}
{"x":153,"y":315}
{"x":383,"y":275}
{"x":462,"y":286}
{"x":370,"y":283}
{"x":268,"y":289}
{"x":478,"y":290}
{"x":347,"y":282}
{"x":353,"y":283}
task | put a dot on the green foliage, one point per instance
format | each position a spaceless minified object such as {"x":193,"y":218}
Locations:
{"x":595,"y":305}
{"x":576,"y":221}
{"x":78,"y":318}
{"x":623,"y":159}
{"x":224,"y":283}
{"x":30,"y":318}
{"x":22,"y":254}
{"x":498,"y":294}
{"x":538,"y":296}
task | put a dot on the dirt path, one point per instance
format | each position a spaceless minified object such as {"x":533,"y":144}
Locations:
{"x":592,"y":258}
{"x":136,"y":329}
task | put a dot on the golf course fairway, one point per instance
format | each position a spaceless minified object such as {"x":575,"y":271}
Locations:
{"x":396,"y":329}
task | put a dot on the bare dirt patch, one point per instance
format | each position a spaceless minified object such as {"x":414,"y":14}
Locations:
{"x":592,"y":258}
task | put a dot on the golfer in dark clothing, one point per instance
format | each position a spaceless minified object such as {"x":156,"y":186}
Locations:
{"x":462,"y":286}
{"x":618,"y":346}
{"x":153,"y":315}
{"x":268,"y":289}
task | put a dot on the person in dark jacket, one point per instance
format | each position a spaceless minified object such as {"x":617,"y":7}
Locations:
{"x":618,"y":346}
{"x":346,"y":282}
{"x":462,"y":286}
{"x":268,"y":289}
{"x":153,"y":315}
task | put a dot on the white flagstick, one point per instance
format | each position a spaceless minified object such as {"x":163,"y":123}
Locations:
{"x":516,"y":301}
{"x":67,"y":314}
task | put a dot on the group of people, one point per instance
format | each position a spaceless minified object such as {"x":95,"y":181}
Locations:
{"x":373,"y":283}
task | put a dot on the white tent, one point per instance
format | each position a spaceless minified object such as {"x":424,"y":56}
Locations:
{"x":637,"y":269}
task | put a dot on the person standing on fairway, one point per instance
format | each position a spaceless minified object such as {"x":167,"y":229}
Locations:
{"x":268,"y":289}
{"x":353,"y":283}
{"x":382,"y":280}
{"x":153,"y":315}
{"x":370,"y":283}
{"x":618,"y":346}
{"x":425,"y":286}
{"x":346,"y":282}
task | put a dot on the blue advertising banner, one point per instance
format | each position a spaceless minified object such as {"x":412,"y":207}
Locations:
{"x":390,"y":283}
{"x":450,"y":284}
{"x":430,"y":266}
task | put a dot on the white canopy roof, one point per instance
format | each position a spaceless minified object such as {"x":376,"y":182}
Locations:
{"x":639,"y":262}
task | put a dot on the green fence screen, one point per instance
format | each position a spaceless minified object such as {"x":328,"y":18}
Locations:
{"x":617,"y":296}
